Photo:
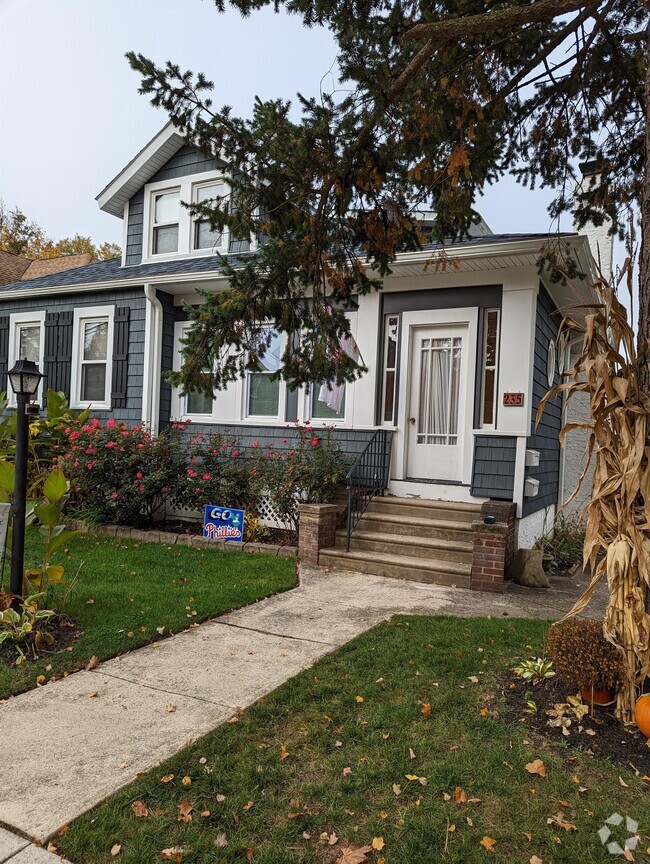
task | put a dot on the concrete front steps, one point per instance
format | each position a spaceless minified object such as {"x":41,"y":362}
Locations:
{"x":409,"y":538}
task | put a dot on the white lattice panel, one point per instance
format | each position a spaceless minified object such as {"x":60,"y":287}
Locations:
{"x":267,"y":514}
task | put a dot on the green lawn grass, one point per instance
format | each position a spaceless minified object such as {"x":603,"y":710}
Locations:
{"x":345,"y":755}
{"x":138,"y":587}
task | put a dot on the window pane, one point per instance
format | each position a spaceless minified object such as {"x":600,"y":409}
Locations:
{"x":95,"y":340}
{"x":488,"y":397}
{"x":29,"y":342}
{"x":167,"y":206}
{"x":491,"y":338}
{"x":93,"y":382}
{"x":389,"y":400}
{"x":199,"y":403}
{"x":204,"y":238}
{"x":322,"y":411}
{"x":165,"y":239}
{"x":271,"y":359}
{"x":206,"y":193}
{"x":263,"y":395}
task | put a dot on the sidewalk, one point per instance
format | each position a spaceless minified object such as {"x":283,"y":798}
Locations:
{"x":78,"y":740}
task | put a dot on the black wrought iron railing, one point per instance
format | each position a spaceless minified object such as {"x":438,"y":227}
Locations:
{"x":368,"y":477}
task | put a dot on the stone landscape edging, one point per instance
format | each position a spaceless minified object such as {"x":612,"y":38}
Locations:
{"x":171,"y":538}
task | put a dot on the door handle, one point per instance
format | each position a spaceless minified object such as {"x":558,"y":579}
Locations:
{"x":411,"y":419}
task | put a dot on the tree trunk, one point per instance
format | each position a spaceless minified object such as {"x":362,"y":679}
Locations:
{"x":643,"y":324}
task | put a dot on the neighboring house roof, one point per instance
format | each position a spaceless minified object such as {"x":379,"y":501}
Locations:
{"x":48,"y":266}
{"x":140,"y":170}
{"x":12,"y":267}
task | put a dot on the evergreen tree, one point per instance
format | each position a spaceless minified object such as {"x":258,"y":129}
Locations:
{"x":443,"y":98}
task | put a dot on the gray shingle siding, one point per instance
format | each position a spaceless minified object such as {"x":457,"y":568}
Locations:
{"x":493,"y":469}
{"x":134,"y":299}
{"x":546,"y":437}
{"x":186,"y":161}
{"x":133,"y":251}
{"x":167,"y":354}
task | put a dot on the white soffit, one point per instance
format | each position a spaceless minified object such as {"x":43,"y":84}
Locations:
{"x":140,"y":170}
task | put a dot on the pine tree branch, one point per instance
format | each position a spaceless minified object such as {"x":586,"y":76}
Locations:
{"x":439,"y":32}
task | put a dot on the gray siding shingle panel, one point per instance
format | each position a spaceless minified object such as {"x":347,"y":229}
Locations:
{"x":186,"y":161}
{"x":493,"y":470}
{"x":133,"y":252}
{"x":546,"y":436}
{"x":134,"y":299}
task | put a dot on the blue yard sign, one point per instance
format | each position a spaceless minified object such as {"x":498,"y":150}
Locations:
{"x":223,"y":523}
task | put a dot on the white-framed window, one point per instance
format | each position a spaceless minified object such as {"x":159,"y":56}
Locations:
{"x":490,"y":367}
{"x":170,"y":230}
{"x":264,"y":396}
{"x":27,"y":342}
{"x":166,"y":206}
{"x":389,"y":383}
{"x":193,"y":405}
{"x":92,"y":352}
{"x":327,"y":402}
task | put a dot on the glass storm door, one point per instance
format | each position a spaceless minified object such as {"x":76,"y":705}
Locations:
{"x":436,"y":417}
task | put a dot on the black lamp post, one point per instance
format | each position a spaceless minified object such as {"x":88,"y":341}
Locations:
{"x":25,"y":378}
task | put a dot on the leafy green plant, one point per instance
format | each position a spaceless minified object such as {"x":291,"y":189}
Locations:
{"x":535,"y":670}
{"x":583,"y":657}
{"x":563,"y":547}
{"x":308,"y":472}
{"x":19,"y":627}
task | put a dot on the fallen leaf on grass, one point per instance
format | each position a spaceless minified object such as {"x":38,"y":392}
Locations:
{"x":283,"y":753}
{"x":358,"y":698}
{"x":378,"y":843}
{"x":220,"y":841}
{"x":185,"y":811}
{"x":347,"y":771}
{"x":623,"y":783}
{"x":488,"y":843}
{"x":167,"y":778}
{"x":558,"y":819}
{"x":220,"y":797}
{"x":174,"y":853}
{"x":41,"y":679}
{"x":536,"y":767}
{"x":411,"y":754}
{"x":473,"y":679}
{"x":247,"y":806}
{"x":397,"y":789}
{"x":354,"y":855}
{"x":93,"y":663}
{"x":140,"y":809}
{"x":483,"y":712}
{"x":460,"y":796}
{"x":205,"y":814}
{"x":534,"y":859}
{"x":116,"y":848}
{"x":426,"y":709}
{"x":160,"y":630}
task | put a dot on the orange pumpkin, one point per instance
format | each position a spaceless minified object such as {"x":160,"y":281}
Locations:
{"x":642,"y":714}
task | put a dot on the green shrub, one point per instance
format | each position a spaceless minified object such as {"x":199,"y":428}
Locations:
{"x":122,"y":474}
{"x":564,"y":547}
{"x":217,"y":470}
{"x":582,"y":656}
{"x":308,"y":472}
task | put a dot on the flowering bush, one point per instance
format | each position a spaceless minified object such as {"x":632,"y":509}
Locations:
{"x":307,"y":472}
{"x":119,"y":474}
{"x":217,"y":470}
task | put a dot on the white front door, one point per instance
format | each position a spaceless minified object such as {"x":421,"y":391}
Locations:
{"x":436,"y":414}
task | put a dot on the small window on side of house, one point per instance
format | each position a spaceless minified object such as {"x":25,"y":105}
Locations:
{"x":92,"y":357}
{"x":490,"y":365}
{"x":204,"y":236}
{"x":26,"y":342}
{"x":262,"y":390}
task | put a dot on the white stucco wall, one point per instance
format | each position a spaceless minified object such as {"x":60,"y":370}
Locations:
{"x":532,"y":527}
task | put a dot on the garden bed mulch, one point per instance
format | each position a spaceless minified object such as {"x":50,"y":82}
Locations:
{"x":63,"y":630}
{"x":601,"y":734}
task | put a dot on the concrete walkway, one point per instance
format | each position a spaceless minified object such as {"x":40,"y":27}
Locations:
{"x":78,"y":740}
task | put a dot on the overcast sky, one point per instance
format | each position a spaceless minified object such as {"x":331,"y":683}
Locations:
{"x":72,"y":117}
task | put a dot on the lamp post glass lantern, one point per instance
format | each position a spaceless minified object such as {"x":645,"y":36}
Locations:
{"x":25,"y":377}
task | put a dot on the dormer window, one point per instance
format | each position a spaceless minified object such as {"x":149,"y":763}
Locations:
{"x":166,"y":208}
{"x":204,"y":237}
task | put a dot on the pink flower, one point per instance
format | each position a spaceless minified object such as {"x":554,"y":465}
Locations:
{"x":140,"y":446}
{"x":90,"y":466}
{"x":256,"y":444}
{"x":78,"y":488}
{"x":314,"y":442}
{"x":138,"y":476}
{"x":75,"y":464}
{"x":110,"y":424}
{"x":191,"y":473}
{"x":235,"y":454}
{"x":110,"y":444}
{"x":73,"y":435}
{"x":206,"y":477}
{"x":165,"y":488}
{"x":284,"y":440}
{"x":113,"y":495}
{"x":140,"y":488}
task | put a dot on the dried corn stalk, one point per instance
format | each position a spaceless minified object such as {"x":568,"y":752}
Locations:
{"x":617,"y":539}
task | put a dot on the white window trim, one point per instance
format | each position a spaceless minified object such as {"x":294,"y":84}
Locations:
{"x":270,"y":419}
{"x":186,"y":186}
{"x":179,"y":403}
{"x":91,"y":313}
{"x":17,"y":320}
{"x":493,"y":425}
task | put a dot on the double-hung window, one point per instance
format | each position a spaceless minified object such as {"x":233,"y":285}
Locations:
{"x":204,"y":236}
{"x":197,"y":404}
{"x":262,"y":391}
{"x":92,"y":349}
{"x":166,"y":212}
{"x":26,"y":342}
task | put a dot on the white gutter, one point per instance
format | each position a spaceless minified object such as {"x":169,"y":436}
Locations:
{"x":152,"y":360}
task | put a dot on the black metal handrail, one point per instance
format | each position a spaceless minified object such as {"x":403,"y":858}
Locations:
{"x":368,"y":477}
